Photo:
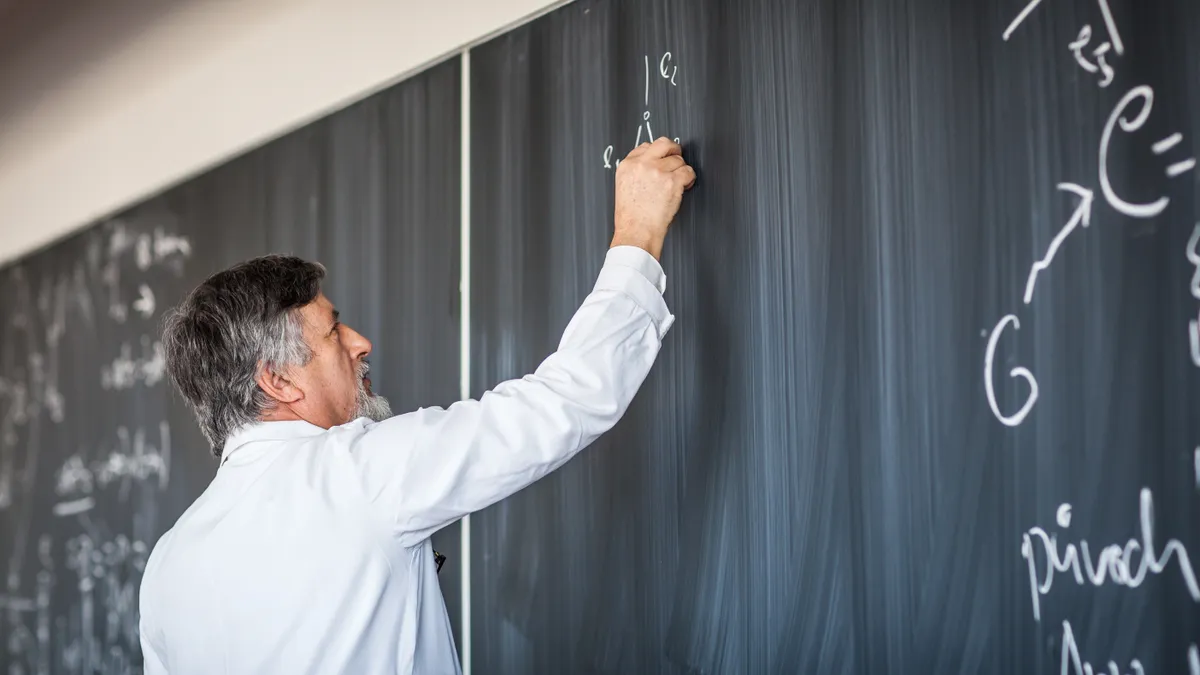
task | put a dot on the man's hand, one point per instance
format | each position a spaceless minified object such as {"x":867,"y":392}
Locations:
{"x":651,"y":181}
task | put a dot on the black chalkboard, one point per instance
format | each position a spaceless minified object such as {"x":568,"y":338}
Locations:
{"x":99,"y":455}
{"x":813,"y":478}
{"x":908,"y":214}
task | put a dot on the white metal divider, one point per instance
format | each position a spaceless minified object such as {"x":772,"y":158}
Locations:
{"x":464,"y":355}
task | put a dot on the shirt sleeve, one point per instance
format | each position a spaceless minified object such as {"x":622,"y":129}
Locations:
{"x":153,"y":662}
{"x":430,"y":467}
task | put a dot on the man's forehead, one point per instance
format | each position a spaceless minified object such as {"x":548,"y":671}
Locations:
{"x":320,"y":311}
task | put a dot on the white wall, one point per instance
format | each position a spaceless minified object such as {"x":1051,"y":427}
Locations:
{"x":116,"y":101}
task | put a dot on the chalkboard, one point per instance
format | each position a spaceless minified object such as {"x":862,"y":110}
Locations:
{"x":98,"y":453}
{"x":931,"y":402}
{"x":909,"y":215}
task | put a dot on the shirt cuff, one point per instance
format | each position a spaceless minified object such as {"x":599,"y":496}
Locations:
{"x":633,"y":271}
{"x":640,"y":260}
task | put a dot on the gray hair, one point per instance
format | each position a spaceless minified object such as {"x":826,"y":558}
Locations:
{"x":239,"y":321}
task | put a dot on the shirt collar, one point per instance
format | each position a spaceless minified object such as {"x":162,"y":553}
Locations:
{"x":268,"y":431}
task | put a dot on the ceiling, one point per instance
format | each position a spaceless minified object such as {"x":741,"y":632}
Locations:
{"x":25,"y":22}
{"x":18,"y":18}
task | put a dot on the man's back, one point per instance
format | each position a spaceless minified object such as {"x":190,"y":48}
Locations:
{"x":284,"y":565}
{"x":310,"y":552}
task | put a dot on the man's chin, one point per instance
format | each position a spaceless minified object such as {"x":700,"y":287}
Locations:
{"x":375,"y":408}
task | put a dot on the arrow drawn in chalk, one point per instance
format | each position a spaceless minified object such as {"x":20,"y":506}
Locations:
{"x":1081,"y":216}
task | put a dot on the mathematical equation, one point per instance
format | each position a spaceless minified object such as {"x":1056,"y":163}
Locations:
{"x":1081,"y":217}
{"x":133,"y":460}
{"x":667,"y":70}
{"x":1129,"y":564}
{"x":148,"y":250}
{"x":99,"y":630}
{"x":125,"y":372}
{"x":89,"y":625}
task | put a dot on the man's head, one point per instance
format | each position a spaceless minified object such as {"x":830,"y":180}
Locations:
{"x":260,"y":341}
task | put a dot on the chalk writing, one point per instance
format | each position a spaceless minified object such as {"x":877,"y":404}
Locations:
{"x":1193,"y":329}
{"x":108,"y":574}
{"x":1126,"y":564}
{"x":1020,"y":371}
{"x":28,"y":645}
{"x":1146,"y":210}
{"x":1194,"y":340}
{"x":144,"y":305}
{"x":1193,"y":256}
{"x":132,"y":460}
{"x":148,"y":250}
{"x":1113,"y":33}
{"x":1071,"y":663}
{"x":1085,"y":36}
{"x":30,"y":398}
{"x":1081,"y":217}
{"x":126,"y":372}
{"x":73,"y":507}
{"x":93,"y":624}
{"x":667,"y":70}
{"x":167,"y":245}
{"x":1114,"y":563}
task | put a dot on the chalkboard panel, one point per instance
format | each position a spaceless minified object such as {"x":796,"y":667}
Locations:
{"x":828,"y":469}
{"x":98,"y":455}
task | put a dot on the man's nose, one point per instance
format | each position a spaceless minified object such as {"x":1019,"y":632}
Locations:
{"x":359,"y":345}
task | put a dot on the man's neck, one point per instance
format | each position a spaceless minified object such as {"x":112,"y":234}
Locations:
{"x":281,"y":413}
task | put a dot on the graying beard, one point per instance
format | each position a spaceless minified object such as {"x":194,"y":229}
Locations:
{"x":373,"y":407}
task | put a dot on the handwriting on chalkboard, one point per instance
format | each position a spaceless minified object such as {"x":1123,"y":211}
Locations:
{"x":148,"y":250}
{"x":1081,"y":216}
{"x":1115,"y":35}
{"x":126,"y":372}
{"x":1072,"y":664}
{"x":1113,"y":564}
{"x":100,"y":631}
{"x":1129,"y":564}
{"x":667,"y":70}
{"x":108,"y":574}
{"x":114,"y":281}
{"x":134,"y":459}
{"x":1193,"y":330}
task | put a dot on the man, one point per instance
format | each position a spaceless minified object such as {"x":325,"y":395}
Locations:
{"x":309,"y":552}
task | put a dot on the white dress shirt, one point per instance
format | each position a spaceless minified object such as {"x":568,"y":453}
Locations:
{"x":309,"y":552}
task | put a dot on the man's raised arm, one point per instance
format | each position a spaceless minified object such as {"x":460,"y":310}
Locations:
{"x":428,"y":468}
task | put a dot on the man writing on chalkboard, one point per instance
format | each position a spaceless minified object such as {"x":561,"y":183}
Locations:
{"x":309,"y":552}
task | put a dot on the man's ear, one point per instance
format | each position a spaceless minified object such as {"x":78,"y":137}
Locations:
{"x":276,"y":385}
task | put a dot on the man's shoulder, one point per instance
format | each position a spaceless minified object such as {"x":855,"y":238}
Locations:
{"x":152,"y":570}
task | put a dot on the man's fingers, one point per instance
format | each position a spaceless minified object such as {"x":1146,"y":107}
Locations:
{"x":662,"y":147}
{"x":687,"y":175}
{"x":671,"y":162}
{"x":667,"y":156}
{"x":639,"y":150}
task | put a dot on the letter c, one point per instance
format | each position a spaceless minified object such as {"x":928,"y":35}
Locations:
{"x":1136,"y":210}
